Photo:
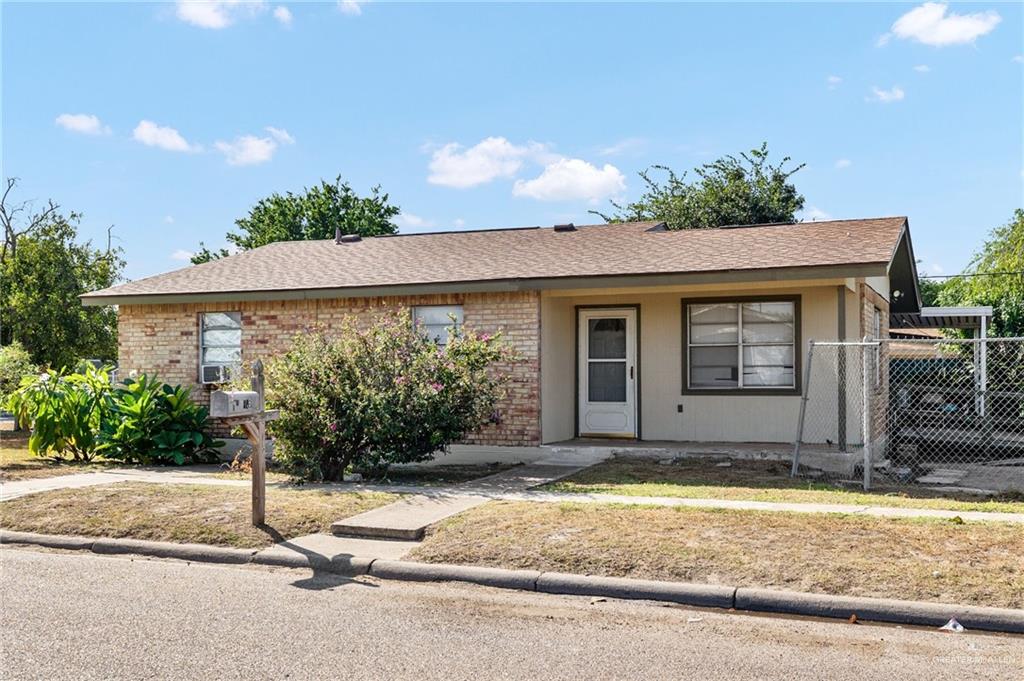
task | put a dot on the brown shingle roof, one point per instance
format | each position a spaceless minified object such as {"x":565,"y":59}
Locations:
{"x":636,"y":248}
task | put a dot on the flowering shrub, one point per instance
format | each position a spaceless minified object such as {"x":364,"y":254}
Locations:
{"x":379,"y":394}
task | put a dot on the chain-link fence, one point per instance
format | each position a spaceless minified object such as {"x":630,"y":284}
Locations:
{"x":944,"y":413}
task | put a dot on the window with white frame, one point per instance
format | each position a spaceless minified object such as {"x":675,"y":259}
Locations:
{"x":437,"y":322}
{"x":741,"y":345}
{"x":220,"y":346}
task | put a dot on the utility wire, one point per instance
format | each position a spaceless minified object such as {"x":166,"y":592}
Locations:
{"x":977,"y":274}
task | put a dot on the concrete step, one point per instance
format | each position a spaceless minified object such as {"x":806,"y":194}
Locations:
{"x":407,"y":519}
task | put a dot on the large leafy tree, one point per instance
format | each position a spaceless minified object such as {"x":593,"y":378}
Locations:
{"x":743,"y":190}
{"x":42,"y":272}
{"x":313,"y":214}
{"x":995,"y":276}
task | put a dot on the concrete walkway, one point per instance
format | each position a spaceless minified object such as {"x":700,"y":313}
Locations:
{"x":409,"y":518}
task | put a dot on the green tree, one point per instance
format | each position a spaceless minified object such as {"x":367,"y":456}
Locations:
{"x":40,"y":281}
{"x":313,"y":214}
{"x":730,"y":191}
{"x":994,"y":277}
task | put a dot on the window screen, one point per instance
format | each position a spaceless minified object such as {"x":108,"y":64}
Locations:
{"x":438,"y":322}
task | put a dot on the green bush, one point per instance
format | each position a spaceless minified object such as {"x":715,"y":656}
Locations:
{"x":82,"y":415}
{"x":381,"y":394}
{"x":153,"y":423}
{"x":65,"y":411}
{"x":15,"y":364}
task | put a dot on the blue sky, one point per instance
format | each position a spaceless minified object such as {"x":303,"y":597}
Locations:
{"x":169,"y":121}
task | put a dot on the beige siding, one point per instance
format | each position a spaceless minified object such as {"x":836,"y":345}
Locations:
{"x":709,"y":418}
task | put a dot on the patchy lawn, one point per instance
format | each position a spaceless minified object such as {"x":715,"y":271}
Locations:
{"x":757,"y":481}
{"x":976,"y":563}
{"x":17,"y":463}
{"x":442,"y":474}
{"x":183,"y":513}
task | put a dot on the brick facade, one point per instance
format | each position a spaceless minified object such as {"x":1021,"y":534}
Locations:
{"x":164,"y":339}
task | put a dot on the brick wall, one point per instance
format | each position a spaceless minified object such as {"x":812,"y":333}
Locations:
{"x":164,"y":339}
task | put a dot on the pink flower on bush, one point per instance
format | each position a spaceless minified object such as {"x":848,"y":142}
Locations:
{"x":485,"y":337}
{"x":437,"y":387}
{"x":400,"y":380}
{"x":333,"y":427}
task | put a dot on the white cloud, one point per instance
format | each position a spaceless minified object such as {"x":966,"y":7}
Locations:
{"x":833,"y":82}
{"x":248,"y":150}
{"x":922,"y":68}
{"x":411,"y":221}
{"x":182,"y":254}
{"x":459,"y":223}
{"x":283,"y":15}
{"x":86,"y":124}
{"x":572,"y":179}
{"x":813,"y":214}
{"x":351,"y":7}
{"x":624,"y":146}
{"x":280,"y":134}
{"x":489,"y":159}
{"x":930,"y":24}
{"x":167,"y":138}
{"x":217,"y":14}
{"x":894,"y":94}
{"x":169,"y":219}
{"x":1018,"y":58}
{"x":843,"y":163}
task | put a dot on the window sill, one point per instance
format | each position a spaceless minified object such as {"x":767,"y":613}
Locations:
{"x":743,"y":392}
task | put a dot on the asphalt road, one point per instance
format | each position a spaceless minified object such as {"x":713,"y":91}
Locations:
{"x":81,"y":616}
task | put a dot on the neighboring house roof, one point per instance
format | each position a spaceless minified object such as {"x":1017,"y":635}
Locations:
{"x":532,"y":257}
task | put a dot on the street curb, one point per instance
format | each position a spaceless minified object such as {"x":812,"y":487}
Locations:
{"x":880,"y":609}
{"x":524,"y":580}
{"x":191,"y":552}
{"x":700,"y":595}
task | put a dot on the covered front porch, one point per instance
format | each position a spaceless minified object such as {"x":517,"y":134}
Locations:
{"x":708,"y":363}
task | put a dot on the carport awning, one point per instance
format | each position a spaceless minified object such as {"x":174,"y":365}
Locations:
{"x":942,"y":318}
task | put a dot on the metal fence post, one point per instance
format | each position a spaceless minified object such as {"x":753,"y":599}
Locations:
{"x":867,"y":376}
{"x":803,"y":410}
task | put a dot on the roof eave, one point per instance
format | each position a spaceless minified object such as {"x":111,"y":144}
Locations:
{"x":500,"y":285}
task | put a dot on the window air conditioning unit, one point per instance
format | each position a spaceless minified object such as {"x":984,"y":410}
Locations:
{"x":215,"y":373}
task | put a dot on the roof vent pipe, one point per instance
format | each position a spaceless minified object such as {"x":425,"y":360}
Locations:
{"x":350,"y":239}
{"x":337,"y":235}
{"x":565,"y":228}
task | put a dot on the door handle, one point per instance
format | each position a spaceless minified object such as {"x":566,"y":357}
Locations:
{"x":631,"y":373}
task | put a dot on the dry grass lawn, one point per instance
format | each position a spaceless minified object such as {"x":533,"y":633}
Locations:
{"x":183,"y":513}
{"x":17,"y":463}
{"x":976,"y":563}
{"x":757,"y":481}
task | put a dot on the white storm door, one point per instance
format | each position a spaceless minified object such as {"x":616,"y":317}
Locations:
{"x":607,"y":372}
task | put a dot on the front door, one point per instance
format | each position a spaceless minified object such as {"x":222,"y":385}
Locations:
{"x":607,"y":372}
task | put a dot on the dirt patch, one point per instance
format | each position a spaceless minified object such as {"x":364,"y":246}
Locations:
{"x":757,"y":481}
{"x":183,"y":513}
{"x":976,"y":563}
{"x":444,"y":474}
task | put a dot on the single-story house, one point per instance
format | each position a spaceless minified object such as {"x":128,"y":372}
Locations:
{"x":626,"y":330}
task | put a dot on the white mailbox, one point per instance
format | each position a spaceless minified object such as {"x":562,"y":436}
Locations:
{"x":225,"y":403}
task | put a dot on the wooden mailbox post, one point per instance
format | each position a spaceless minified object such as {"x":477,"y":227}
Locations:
{"x":246,"y":409}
